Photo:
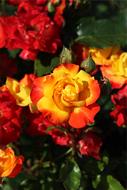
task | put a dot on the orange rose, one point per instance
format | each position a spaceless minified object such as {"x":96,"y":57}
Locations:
{"x":105,"y":56}
{"x":10,"y":165}
{"x":67,"y":95}
{"x":117,"y":71}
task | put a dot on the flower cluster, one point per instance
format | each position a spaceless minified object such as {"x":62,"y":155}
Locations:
{"x":64,"y":100}
{"x":32,"y":30}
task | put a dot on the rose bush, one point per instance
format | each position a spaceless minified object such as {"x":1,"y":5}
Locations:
{"x":63,"y":95}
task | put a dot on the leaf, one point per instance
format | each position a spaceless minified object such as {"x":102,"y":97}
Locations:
{"x":107,"y":182}
{"x":96,"y":181}
{"x":113,"y":183}
{"x":13,"y":53}
{"x":103,"y":32}
{"x":70,"y":175}
{"x":7,"y":187}
{"x":40,"y":69}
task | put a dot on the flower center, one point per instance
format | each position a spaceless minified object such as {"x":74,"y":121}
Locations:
{"x":69,"y":93}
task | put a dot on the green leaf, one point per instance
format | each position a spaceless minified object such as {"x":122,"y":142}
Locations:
{"x":103,"y":32}
{"x":101,"y":166}
{"x":96,"y":181}
{"x":113,"y":183}
{"x":70,"y":175}
{"x":106,"y":182}
{"x":40,"y":69}
{"x":13,"y":53}
{"x":7,"y":187}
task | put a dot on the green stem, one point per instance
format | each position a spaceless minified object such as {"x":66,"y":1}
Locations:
{"x":66,"y":153}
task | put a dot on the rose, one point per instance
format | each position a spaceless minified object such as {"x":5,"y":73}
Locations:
{"x":10,"y":165}
{"x":105,"y":56}
{"x":117,"y":71}
{"x":90,"y":145}
{"x":67,"y":95}
{"x":10,"y":118}
{"x":119,"y":114}
{"x":31,"y":30}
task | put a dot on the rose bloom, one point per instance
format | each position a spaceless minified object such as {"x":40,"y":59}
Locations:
{"x":105,"y":56}
{"x":10,"y":118}
{"x":31,"y":30}
{"x":119,"y":114}
{"x":67,"y":94}
{"x":116,"y":73}
{"x":90,"y":145}
{"x":60,"y":138}
{"x":20,"y":90}
{"x":10,"y":165}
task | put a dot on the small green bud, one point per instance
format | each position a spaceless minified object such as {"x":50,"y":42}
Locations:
{"x":51,"y":7}
{"x":88,"y":65}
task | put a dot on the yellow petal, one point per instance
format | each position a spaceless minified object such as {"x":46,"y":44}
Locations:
{"x":48,"y":106}
{"x":65,"y":69}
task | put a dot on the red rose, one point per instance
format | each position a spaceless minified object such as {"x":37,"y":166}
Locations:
{"x":60,"y":138}
{"x":31,"y":30}
{"x":120,"y":101}
{"x":10,"y":118}
{"x":90,"y":145}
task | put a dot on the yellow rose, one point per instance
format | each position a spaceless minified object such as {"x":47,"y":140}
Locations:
{"x":67,"y":94}
{"x":117,"y":71}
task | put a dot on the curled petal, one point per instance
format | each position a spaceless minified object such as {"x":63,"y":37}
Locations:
{"x":80,"y":117}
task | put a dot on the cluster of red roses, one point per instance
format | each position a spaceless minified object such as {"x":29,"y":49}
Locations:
{"x":65,"y":100}
{"x":32,"y":30}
